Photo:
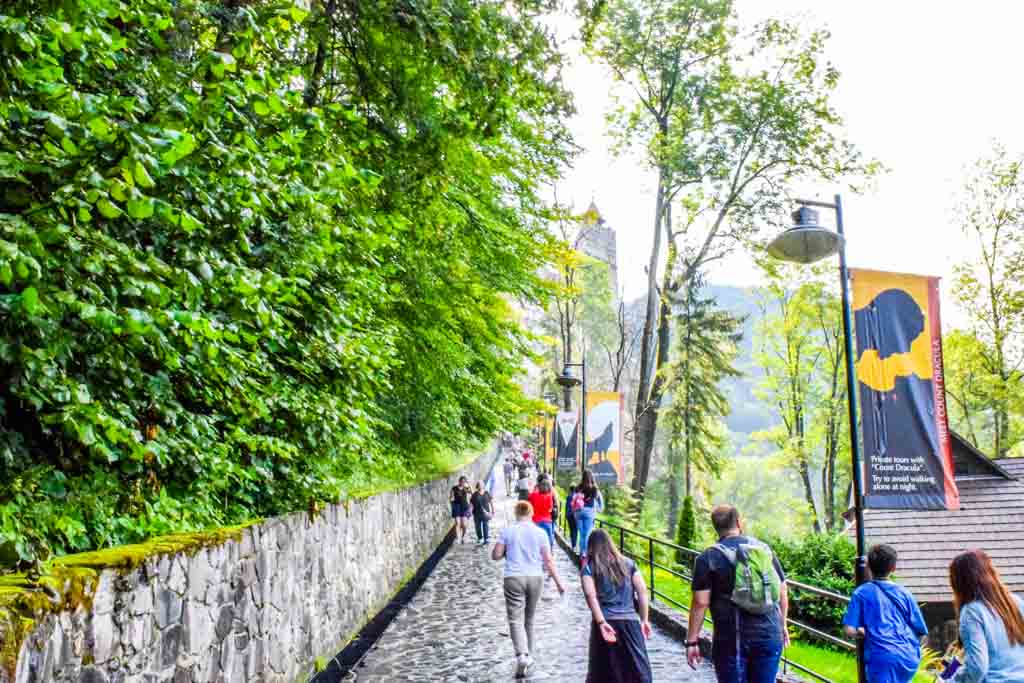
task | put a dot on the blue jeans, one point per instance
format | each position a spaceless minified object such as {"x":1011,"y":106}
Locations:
{"x":757,"y":662}
{"x":585,"y":524}
{"x":547,"y":527}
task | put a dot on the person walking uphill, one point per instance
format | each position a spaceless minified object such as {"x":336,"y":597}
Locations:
{"x":742,"y":582}
{"x":991,"y":621}
{"x":586,"y":506}
{"x":543,"y":502}
{"x":509,"y":470}
{"x":483,"y":510}
{"x":570,"y":517}
{"x":886,"y":615}
{"x":524,"y":547}
{"x":523,"y":484}
{"x":459,"y":498}
{"x":611,"y":583}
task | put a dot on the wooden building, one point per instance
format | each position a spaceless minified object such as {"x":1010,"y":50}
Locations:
{"x":991,"y":518}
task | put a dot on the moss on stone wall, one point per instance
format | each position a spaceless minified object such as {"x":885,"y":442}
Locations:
{"x":69,"y":583}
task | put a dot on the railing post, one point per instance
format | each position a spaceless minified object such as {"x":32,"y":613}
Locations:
{"x":650,"y":561}
{"x":622,"y":540}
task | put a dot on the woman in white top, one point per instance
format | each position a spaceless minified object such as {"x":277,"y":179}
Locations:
{"x":524,"y":547}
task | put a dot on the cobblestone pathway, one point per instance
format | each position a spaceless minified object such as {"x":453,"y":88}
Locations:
{"x":454,"y":629}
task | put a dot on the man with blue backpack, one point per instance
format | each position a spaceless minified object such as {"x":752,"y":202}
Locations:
{"x":741,"y":581}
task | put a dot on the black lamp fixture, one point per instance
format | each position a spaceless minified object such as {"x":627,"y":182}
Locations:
{"x":567,"y":379}
{"x":806,"y":241}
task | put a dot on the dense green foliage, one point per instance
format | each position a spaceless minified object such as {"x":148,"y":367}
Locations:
{"x":984,"y":361}
{"x":731,"y":118}
{"x":252,"y":257}
{"x":821,"y":560}
{"x":801,"y":352}
{"x":703,"y":356}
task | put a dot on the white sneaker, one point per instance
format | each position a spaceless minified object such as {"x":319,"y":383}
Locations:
{"x":522,"y":665}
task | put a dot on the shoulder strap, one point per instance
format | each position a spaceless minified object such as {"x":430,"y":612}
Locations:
{"x":729,"y":553}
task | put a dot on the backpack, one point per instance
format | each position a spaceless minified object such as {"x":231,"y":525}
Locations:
{"x":577,"y":502}
{"x":758,"y":585}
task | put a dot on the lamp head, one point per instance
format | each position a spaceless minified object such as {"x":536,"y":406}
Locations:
{"x":806,"y":241}
{"x":567,"y":379}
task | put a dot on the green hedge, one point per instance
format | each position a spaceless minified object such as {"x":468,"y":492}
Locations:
{"x":253,"y":258}
{"x":823,"y":561}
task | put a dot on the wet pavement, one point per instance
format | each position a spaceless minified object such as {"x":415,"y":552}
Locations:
{"x":454,"y":628}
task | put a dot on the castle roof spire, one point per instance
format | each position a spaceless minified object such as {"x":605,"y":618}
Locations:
{"x":593,"y":215}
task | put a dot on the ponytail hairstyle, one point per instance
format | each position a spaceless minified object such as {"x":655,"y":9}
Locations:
{"x":973,"y":577}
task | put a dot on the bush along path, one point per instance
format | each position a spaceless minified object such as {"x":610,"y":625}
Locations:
{"x":455,"y":629}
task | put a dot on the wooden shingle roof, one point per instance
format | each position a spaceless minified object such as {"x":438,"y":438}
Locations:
{"x":1014,"y":466}
{"x":991,"y":517}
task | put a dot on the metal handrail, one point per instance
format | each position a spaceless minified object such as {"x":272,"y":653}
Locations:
{"x":651,"y":562}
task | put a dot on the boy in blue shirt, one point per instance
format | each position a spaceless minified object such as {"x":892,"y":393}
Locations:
{"x":886,"y":615}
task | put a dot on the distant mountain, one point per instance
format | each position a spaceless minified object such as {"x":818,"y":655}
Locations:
{"x":749,"y":414}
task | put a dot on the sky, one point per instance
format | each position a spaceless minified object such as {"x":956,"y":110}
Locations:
{"x":926,"y":88}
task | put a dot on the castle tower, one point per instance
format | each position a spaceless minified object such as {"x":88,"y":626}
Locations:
{"x":597,"y":240}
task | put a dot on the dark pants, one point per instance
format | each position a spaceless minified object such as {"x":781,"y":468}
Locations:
{"x":757,"y":662}
{"x":573,"y":531}
{"x":483,"y":528}
{"x":624,"y":661}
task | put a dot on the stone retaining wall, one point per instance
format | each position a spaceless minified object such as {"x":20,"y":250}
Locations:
{"x":260,"y":608}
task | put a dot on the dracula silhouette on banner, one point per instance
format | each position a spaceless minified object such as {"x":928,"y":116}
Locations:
{"x":604,"y":436}
{"x":908,"y":463}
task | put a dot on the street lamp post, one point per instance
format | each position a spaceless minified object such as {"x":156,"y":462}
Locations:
{"x":568,"y":381}
{"x":542,"y":442}
{"x":807,"y":242}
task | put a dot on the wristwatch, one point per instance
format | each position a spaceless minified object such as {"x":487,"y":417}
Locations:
{"x":692,"y":643}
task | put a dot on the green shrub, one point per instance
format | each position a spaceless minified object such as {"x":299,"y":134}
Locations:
{"x":253,"y":258}
{"x":686,"y":531}
{"x":824,"y":561}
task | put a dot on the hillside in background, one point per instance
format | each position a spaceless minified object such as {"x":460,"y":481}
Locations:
{"x":749,"y":414}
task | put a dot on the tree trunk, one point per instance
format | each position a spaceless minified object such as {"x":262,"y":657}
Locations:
{"x":1002,"y":414}
{"x":689,"y":468}
{"x":673,"y":491}
{"x":828,"y":479}
{"x":645,"y":423}
{"x":311,"y":97}
{"x":805,"y":473}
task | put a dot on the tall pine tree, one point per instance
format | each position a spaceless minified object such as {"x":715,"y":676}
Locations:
{"x":703,"y":355}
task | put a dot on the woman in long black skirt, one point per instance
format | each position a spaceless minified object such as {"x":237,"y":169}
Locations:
{"x":617,"y":598}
